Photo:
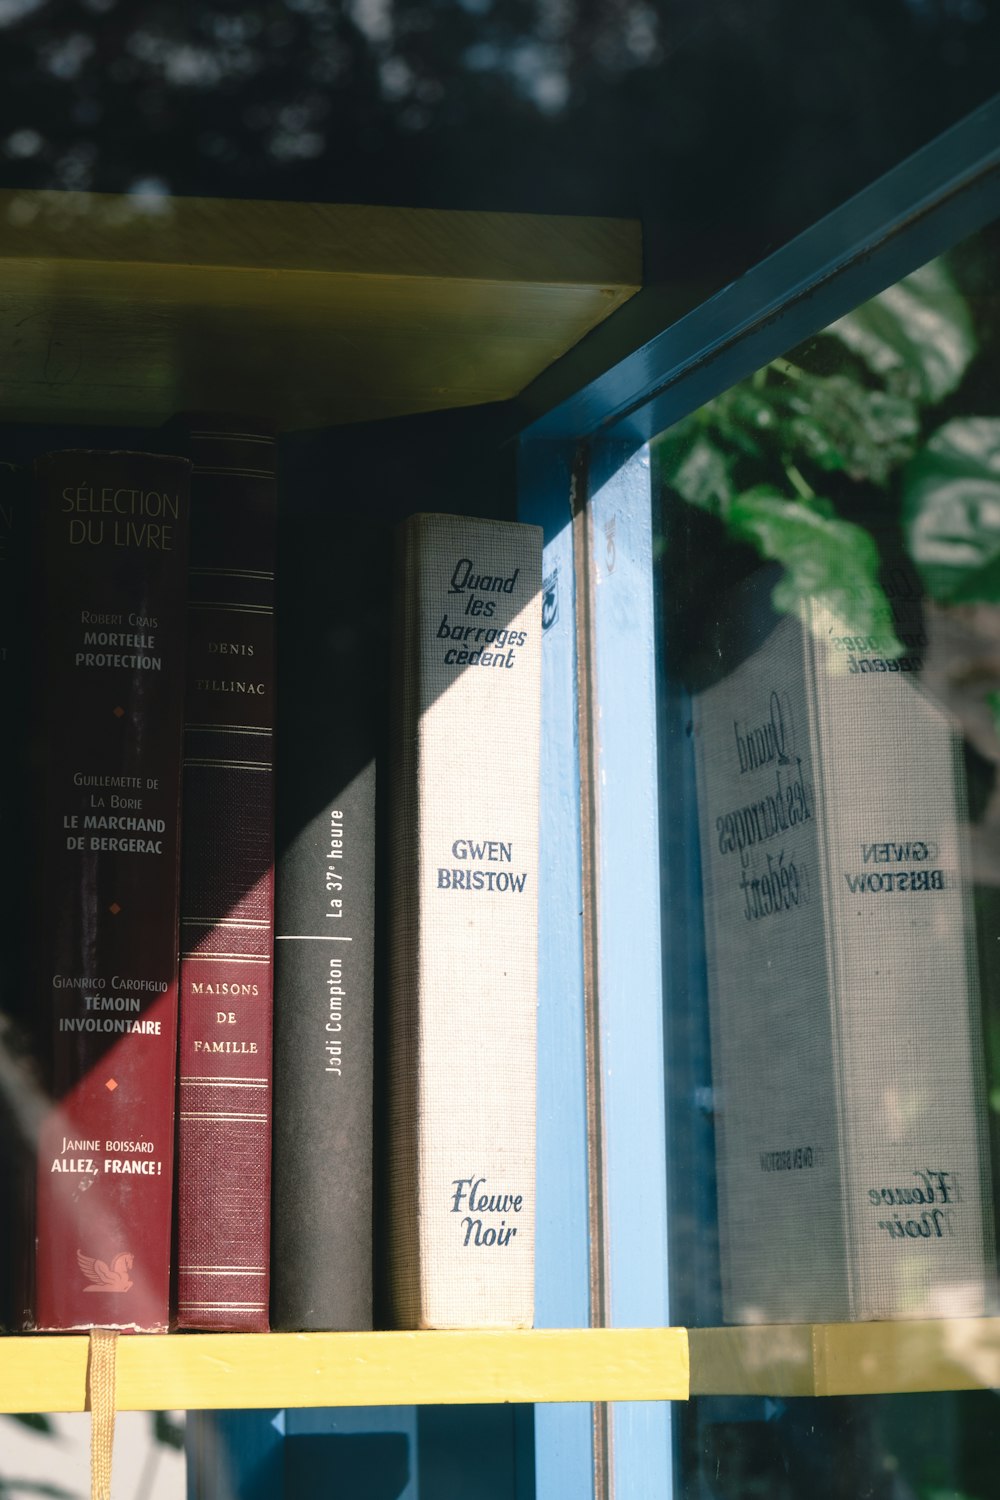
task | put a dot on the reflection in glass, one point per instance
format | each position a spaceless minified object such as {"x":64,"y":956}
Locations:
{"x":831,"y":581}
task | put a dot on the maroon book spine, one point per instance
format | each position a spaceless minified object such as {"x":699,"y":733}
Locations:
{"x":227,"y":883}
{"x":111,"y":537}
{"x":18,"y":1078}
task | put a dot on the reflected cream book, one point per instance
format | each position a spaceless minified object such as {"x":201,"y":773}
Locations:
{"x":846,"y":1046}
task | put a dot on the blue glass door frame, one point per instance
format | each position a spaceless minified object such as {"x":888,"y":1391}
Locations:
{"x":585,"y":478}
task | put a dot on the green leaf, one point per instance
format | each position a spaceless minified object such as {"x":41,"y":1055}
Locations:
{"x":166,"y":1430}
{"x":838,"y":424}
{"x":701,"y":476}
{"x":37,"y":1421}
{"x":826,"y":559}
{"x":697,"y":461}
{"x":993,"y":704}
{"x":917,"y":336}
{"x":951,"y":510}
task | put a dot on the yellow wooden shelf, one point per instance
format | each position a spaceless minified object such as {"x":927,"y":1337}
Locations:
{"x":124,"y":309}
{"x":201,"y":1371}
{"x":846,"y":1359}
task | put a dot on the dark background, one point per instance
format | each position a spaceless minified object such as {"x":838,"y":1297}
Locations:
{"x":727,"y":125}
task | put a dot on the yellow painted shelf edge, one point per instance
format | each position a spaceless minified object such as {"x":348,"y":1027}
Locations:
{"x":203,"y":1371}
{"x":123,"y":310}
{"x":846,"y":1359}
{"x":331,"y":238}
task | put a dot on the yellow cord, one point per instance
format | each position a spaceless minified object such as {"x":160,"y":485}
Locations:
{"x":101,"y":1400}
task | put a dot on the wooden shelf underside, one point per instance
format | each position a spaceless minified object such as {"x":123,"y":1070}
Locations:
{"x":123,"y":309}
{"x":42,"y":1373}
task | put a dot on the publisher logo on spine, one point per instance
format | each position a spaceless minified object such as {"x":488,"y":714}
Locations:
{"x":102,"y":1277}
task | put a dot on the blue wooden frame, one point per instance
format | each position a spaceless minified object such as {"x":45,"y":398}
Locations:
{"x":931,"y":200}
{"x":563,"y":1440}
{"x":596,"y":433}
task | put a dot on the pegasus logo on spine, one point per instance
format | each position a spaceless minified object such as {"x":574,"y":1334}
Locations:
{"x":105,"y":1278}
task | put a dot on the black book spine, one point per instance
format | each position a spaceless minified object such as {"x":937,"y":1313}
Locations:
{"x":330,"y":670}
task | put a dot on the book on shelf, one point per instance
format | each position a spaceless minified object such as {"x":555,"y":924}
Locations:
{"x":18,"y":1082}
{"x":463,"y":948}
{"x":847,"y":1057}
{"x":109,"y":539}
{"x":227,"y":880}
{"x":331,"y":653}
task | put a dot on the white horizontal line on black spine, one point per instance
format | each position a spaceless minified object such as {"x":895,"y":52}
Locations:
{"x":310,"y":937}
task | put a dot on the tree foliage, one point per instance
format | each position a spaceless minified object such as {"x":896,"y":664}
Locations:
{"x":860,"y":434}
{"x":727,"y":127}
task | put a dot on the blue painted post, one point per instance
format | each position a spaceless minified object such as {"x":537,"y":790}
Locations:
{"x":468,"y":1451}
{"x":235,"y":1455}
{"x":563,"y":1442}
{"x":353,"y":1451}
{"x":623,"y":650}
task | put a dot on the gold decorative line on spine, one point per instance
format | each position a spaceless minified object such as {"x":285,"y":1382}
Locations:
{"x":226,"y":606}
{"x":227,"y":1270}
{"x":236,"y":473}
{"x":263,"y":575}
{"x":205,"y":1114}
{"x":231,"y":435}
{"x":193,"y":726}
{"x":228,"y":765}
{"x":255,"y":1083}
{"x":231,"y":958}
{"x":250,"y":923}
{"x":219,"y":1307}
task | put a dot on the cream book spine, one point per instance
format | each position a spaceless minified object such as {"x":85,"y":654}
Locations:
{"x":463,"y":924}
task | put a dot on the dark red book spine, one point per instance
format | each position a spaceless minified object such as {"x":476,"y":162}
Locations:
{"x":227,"y":884}
{"x":111,"y":537}
{"x":18,"y":1080}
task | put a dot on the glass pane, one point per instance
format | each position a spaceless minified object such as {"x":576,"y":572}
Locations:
{"x":830,"y":581}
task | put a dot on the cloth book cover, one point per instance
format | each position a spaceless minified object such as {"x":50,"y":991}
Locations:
{"x":110,"y":538}
{"x":331,"y":655}
{"x":18,"y":1081}
{"x":464,"y":923}
{"x":846,"y":1050}
{"x":227,"y":880}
